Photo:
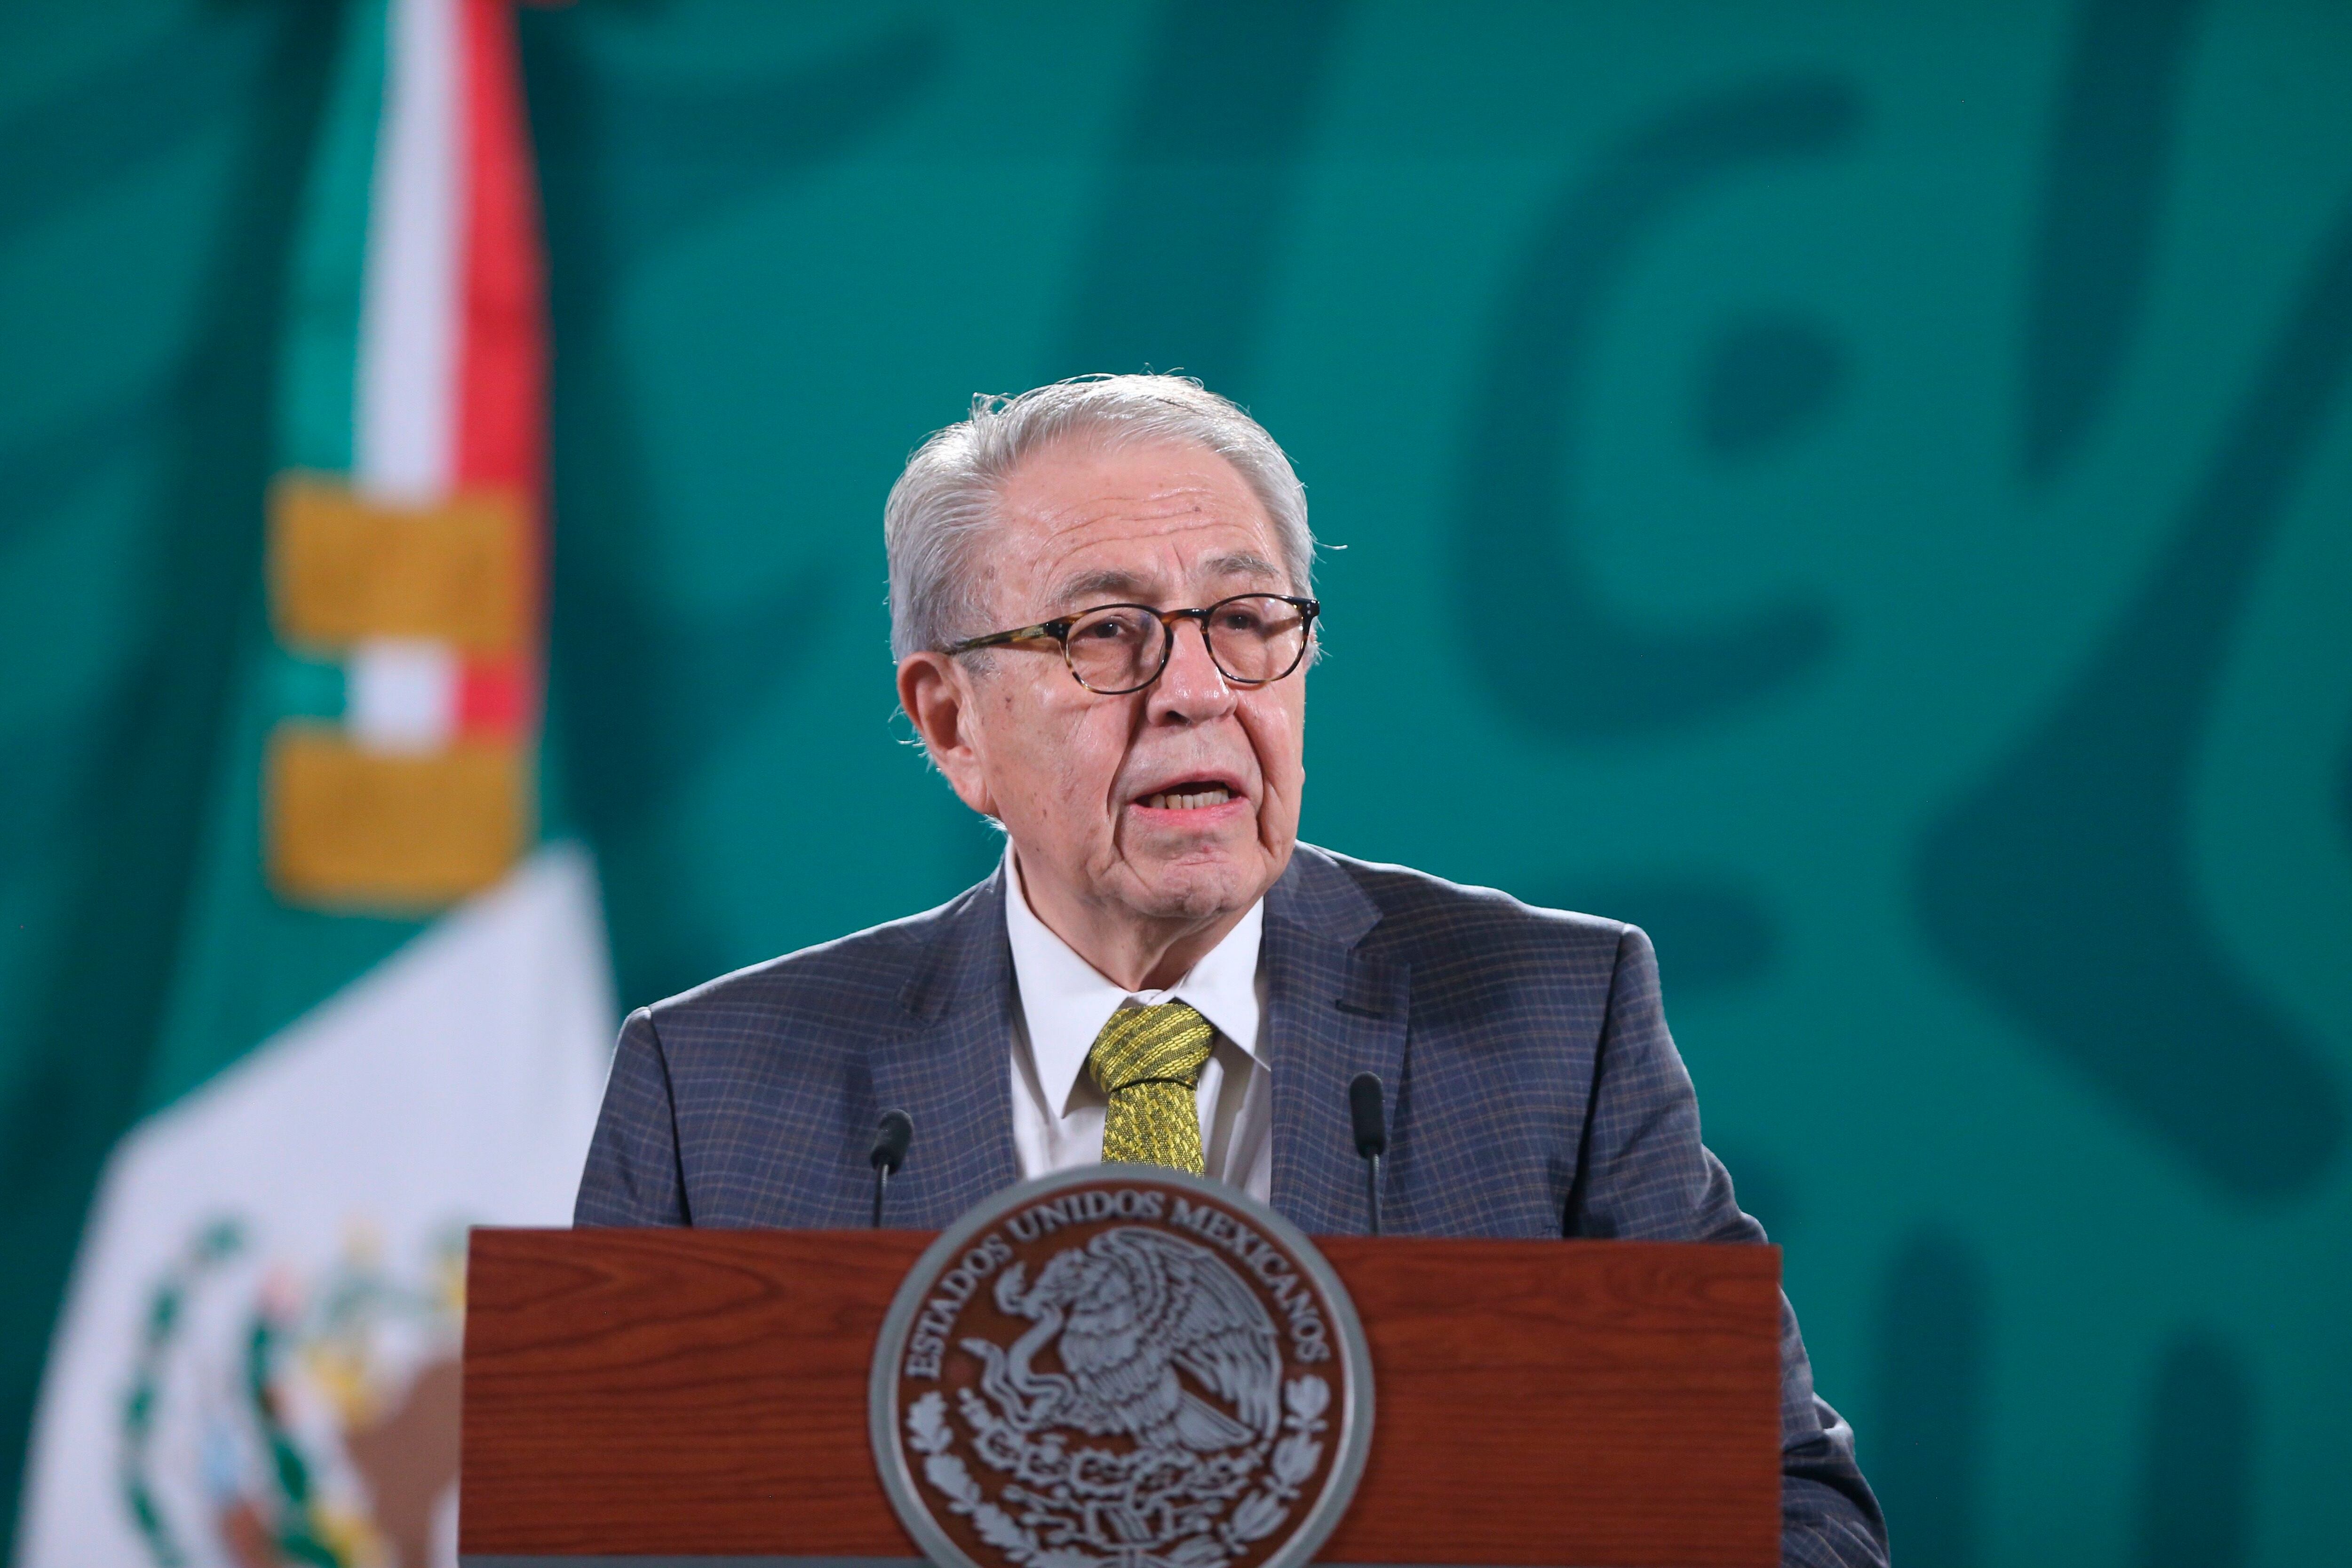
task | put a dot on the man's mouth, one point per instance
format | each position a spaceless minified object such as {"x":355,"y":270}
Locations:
{"x":1193,"y":796}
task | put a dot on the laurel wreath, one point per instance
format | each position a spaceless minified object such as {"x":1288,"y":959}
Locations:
{"x":296,"y":1541}
{"x":214,"y":1245}
{"x":1206,"y":1540}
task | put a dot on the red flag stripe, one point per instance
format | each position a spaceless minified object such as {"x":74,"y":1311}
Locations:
{"x":501,"y":402}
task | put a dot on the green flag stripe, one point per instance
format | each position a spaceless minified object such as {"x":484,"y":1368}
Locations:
{"x":322,"y":328}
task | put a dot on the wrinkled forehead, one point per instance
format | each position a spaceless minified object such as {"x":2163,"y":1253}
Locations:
{"x":1160,"y":525}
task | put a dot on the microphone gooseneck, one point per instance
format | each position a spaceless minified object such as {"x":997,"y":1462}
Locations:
{"x":1364,"y":1106}
{"x":890,"y":1139}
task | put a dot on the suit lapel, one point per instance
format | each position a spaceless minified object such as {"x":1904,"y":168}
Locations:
{"x":950,"y":1070}
{"x":1331,"y":1013}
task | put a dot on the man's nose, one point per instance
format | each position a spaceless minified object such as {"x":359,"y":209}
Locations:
{"x":1191,"y":688}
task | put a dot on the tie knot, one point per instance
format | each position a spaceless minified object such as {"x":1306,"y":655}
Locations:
{"x":1166,"y":1044}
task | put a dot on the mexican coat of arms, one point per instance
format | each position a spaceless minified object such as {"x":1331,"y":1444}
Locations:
{"x":1121,"y":1367}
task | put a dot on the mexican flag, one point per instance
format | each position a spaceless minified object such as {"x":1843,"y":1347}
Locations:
{"x":256,"y":1364}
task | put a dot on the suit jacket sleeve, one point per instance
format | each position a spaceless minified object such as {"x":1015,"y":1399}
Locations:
{"x":1643,"y":1176}
{"x":634,"y":1176}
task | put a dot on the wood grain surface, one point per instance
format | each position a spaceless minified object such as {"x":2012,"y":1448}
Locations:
{"x":704,"y":1393}
{"x":1566,"y":1402}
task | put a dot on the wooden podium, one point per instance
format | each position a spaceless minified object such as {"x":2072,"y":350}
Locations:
{"x":659,"y":1395}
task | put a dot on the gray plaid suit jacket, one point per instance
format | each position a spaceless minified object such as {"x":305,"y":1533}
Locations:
{"x":1535,"y":1091}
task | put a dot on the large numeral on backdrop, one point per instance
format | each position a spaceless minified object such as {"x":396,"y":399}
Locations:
{"x":1581,"y":668}
{"x":2061,"y":885}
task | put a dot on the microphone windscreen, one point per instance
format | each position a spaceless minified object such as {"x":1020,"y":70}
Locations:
{"x":890,"y":1139}
{"x":1364,"y":1104}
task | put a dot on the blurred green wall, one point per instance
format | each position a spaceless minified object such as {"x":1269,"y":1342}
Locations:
{"x":1860,"y":489}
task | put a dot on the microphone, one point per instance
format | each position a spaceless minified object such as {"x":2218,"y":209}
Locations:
{"x":1372,"y":1138}
{"x":890,"y":1141}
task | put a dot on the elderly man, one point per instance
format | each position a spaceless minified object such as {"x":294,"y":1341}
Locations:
{"x":1101,"y":604}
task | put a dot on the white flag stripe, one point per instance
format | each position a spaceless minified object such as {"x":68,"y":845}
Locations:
{"x":456,"y":1082}
{"x":405,"y":397}
{"x":401,"y":696}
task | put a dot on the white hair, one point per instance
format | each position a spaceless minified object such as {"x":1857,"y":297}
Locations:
{"x":946,"y":500}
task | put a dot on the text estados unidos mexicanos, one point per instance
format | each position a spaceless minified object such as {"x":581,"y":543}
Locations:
{"x":1294,"y":1297}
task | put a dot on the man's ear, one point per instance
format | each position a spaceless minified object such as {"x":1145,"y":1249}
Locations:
{"x":936,"y":691}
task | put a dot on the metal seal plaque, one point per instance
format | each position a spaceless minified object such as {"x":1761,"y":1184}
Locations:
{"x":1121,"y":1367}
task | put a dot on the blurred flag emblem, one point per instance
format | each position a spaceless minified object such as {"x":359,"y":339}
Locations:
{"x":256,"y":1363}
{"x":338,"y":1438}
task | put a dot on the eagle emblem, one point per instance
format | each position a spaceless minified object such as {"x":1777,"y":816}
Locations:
{"x":1119,"y":1376}
{"x":1128,"y":1312}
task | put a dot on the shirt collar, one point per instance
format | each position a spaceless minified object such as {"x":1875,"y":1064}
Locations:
{"x":1066,"y":1000}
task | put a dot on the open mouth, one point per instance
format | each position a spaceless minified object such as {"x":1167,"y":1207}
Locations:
{"x":1196,"y":795}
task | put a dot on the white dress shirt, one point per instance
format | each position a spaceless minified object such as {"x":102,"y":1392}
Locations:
{"x":1057,"y":1112}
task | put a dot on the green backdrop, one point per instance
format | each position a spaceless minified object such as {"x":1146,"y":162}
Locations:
{"x":1860,"y":489}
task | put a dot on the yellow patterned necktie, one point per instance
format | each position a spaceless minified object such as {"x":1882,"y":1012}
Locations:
{"x":1149,"y":1060}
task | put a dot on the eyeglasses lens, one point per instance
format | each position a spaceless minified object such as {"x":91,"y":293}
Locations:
{"x":1257,"y":639}
{"x":1253,"y":639}
{"x":1116,"y":649}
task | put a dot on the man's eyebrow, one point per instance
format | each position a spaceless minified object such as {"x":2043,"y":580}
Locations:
{"x":1124,"y":586}
{"x":1241,"y":563}
{"x":1113,"y":584}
